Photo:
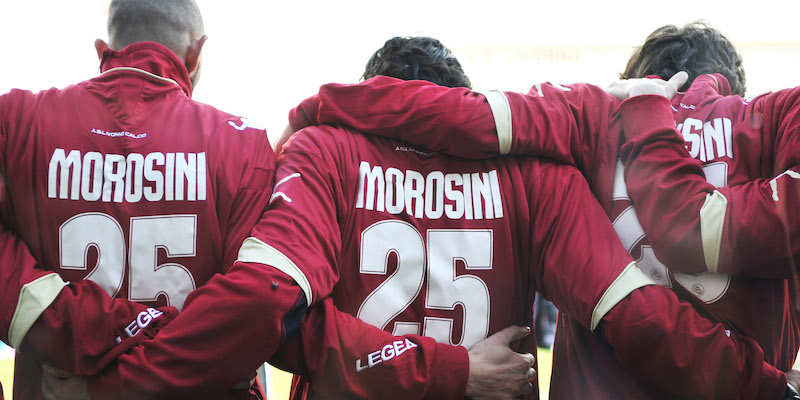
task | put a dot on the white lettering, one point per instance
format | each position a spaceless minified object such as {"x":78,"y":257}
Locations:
{"x":134,"y":174}
{"x":92,"y":177}
{"x":372,"y":181}
{"x":395,"y":199}
{"x":154,"y":192}
{"x":467,"y":195}
{"x":117,"y":178}
{"x":415,"y":188}
{"x":434,"y":195}
{"x":708,"y":140}
{"x":691,"y":135}
{"x":114,"y":177}
{"x":399,"y":348}
{"x":434,"y":201}
{"x":169,"y":190}
{"x":61,"y":161}
{"x":132,"y":329}
{"x":359,"y":367}
{"x":482,"y":191}
{"x":143,"y":319}
{"x":386,"y":353}
{"x":714,"y":135}
{"x":455,"y":210}
{"x":154,"y":313}
{"x":374,"y":358}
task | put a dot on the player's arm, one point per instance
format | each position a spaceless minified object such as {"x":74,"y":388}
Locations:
{"x":296,"y":240}
{"x":748,"y":230}
{"x":344,"y":357}
{"x":663,"y":342}
{"x":341,"y":354}
{"x":563,"y":123}
{"x":75,"y":326}
{"x":232,"y":324}
{"x":238,"y":212}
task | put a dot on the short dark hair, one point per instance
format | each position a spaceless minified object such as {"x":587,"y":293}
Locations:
{"x":172,"y":23}
{"x":696,"y":48}
{"x":420,"y":58}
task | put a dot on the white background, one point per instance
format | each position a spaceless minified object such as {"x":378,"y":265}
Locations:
{"x":263,"y":57}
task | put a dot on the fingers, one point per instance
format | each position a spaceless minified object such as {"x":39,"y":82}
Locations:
{"x":530,"y":375}
{"x":529,"y":358}
{"x":679,"y":79}
{"x":674,"y":84}
{"x":525,"y":389}
{"x":618,"y":89}
{"x":511,"y":334}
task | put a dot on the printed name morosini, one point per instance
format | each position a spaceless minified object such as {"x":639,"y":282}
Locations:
{"x":113,"y":177}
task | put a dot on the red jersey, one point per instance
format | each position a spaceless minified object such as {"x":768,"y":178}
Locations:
{"x":417,"y":243}
{"x":726,"y":185}
{"x":579,"y":124}
{"x":124,"y":181}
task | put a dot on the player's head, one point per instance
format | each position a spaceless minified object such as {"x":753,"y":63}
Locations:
{"x":696,"y":48}
{"x":176,"y":24}
{"x":417,"y":58}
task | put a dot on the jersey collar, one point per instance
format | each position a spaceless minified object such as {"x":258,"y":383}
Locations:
{"x":151,"y":59}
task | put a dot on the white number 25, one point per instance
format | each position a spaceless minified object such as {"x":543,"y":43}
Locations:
{"x":176,"y":234}
{"x":444,"y":289}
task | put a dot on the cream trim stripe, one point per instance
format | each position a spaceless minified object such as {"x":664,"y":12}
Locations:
{"x":712,"y":220}
{"x":501,"y":110}
{"x":152,"y":75}
{"x":256,"y":251}
{"x":34,"y":298}
{"x":629,"y":280}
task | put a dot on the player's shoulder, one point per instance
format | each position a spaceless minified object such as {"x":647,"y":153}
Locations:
{"x":545,"y":172}
{"x":23,"y":97}
{"x":225,"y":122}
{"x":322,"y":139}
{"x":25,"y":105}
{"x":224,"y":130}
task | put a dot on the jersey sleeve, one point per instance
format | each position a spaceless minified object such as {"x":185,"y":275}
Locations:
{"x":780,"y":114}
{"x":344,"y":357}
{"x":227,"y":328}
{"x":83,"y":330}
{"x":427,"y":114}
{"x":660,"y":340}
{"x":251,"y":197}
{"x":230,"y":325}
{"x":563,"y":123}
{"x":75,"y":326}
{"x":749,"y":230}
{"x":304,"y":228}
{"x":296,"y":240}
{"x":579,"y":257}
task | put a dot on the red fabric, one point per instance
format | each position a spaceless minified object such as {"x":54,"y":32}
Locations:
{"x":201,"y":354}
{"x":181,"y":188}
{"x":358,"y":240}
{"x":664,"y":336}
{"x":580,"y":124}
{"x":431,"y":370}
{"x":758,"y":230}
